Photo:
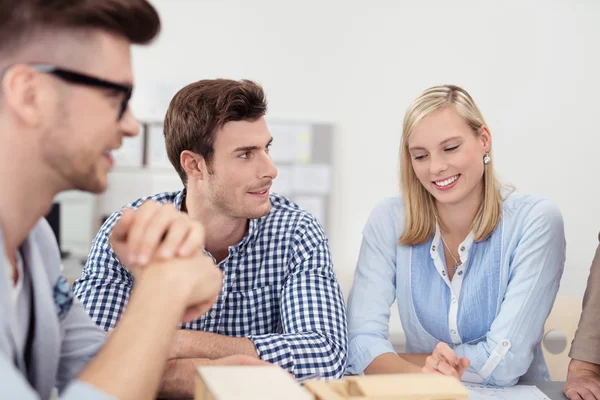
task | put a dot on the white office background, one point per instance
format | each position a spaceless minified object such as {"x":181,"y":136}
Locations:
{"x":533,"y":67}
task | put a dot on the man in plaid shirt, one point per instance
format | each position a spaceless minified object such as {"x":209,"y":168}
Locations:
{"x":280,"y":300}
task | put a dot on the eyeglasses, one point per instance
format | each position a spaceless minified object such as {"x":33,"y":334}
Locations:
{"x":87,"y":80}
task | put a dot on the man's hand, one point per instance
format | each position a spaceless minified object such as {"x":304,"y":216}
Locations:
{"x":583,"y":381}
{"x":206,"y":288}
{"x":196,"y":280}
{"x":172,"y":243}
{"x":155,"y":232}
{"x":179,"y":380}
{"x":444,"y":361}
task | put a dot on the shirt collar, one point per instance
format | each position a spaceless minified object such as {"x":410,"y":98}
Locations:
{"x":249,"y":236}
{"x":463,"y":248}
{"x":179,"y":199}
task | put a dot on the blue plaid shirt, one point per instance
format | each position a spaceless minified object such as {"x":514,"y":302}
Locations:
{"x":279,"y":290}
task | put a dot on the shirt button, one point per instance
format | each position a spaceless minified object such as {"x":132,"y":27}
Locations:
{"x":453,"y":332}
{"x":444,"y":273}
{"x":433,"y":248}
{"x":213,"y":314}
{"x":462,"y":248}
{"x":460,"y":272}
{"x":454,"y":301}
{"x":504,"y":343}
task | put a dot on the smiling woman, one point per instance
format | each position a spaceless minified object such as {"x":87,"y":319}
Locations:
{"x":446,"y":144}
{"x":473,"y":266}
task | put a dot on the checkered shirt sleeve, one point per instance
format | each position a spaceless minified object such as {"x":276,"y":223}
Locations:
{"x":314,"y":335}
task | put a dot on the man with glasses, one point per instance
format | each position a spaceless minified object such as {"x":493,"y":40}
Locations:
{"x":82,"y":79}
{"x":65,"y":82}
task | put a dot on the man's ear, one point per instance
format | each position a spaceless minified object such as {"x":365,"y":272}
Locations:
{"x":193,"y":164}
{"x":23,"y":93}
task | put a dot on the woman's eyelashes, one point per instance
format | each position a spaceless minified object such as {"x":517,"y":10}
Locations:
{"x":421,"y":157}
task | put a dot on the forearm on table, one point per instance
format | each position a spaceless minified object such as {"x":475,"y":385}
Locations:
{"x":416,"y":359}
{"x":390,"y":363}
{"x":178,"y":381}
{"x":578,"y":367}
{"x":199,"y":344}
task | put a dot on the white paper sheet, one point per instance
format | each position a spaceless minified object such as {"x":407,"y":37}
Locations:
{"x":311,"y":179}
{"x":519,"y":392}
{"x":283,"y":183}
{"x":131,"y":153}
{"x":314,"y":205}
{"x":157,"y":152}
{"x":292,"y":143}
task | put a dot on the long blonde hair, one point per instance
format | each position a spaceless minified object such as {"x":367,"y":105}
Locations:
{"x":421,"y":212}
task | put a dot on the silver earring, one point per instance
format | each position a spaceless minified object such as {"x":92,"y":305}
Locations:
{"x":486,"y":159}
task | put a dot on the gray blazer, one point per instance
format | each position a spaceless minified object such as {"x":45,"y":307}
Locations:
{"x":64,"y":337}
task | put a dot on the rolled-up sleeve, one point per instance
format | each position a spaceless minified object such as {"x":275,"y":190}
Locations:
{"x":314,"y":336}
{"x":373,"y":291}
{"x":536,"y":267}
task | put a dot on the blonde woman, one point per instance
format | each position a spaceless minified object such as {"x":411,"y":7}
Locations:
{"x":474,"y":268}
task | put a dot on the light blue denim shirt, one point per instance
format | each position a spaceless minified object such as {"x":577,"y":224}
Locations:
{"x":492,"y":312}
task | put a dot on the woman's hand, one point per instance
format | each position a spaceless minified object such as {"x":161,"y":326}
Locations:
{"x":444,"y":361}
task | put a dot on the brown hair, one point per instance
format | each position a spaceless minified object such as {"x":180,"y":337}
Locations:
{"x":21,"y":20}
{"x":201,"y":108}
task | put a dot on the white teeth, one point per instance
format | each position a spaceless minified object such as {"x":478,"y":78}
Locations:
{"x":447,"y":181}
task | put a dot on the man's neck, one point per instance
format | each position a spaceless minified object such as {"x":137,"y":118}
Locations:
{"x":221,"y":231}
{"x":28,"y":190}
{"x":457,"y":219}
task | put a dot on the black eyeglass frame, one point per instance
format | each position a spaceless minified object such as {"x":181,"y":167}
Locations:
{"x":88,"y":80}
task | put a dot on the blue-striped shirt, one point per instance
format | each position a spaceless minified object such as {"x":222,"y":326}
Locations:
{"x":492,"y":312}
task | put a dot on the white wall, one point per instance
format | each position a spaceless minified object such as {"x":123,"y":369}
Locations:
{"x":532,"y":66}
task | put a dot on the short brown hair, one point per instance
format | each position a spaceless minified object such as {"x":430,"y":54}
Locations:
{"x":201,"y":108}
{"x":21,"y":20}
